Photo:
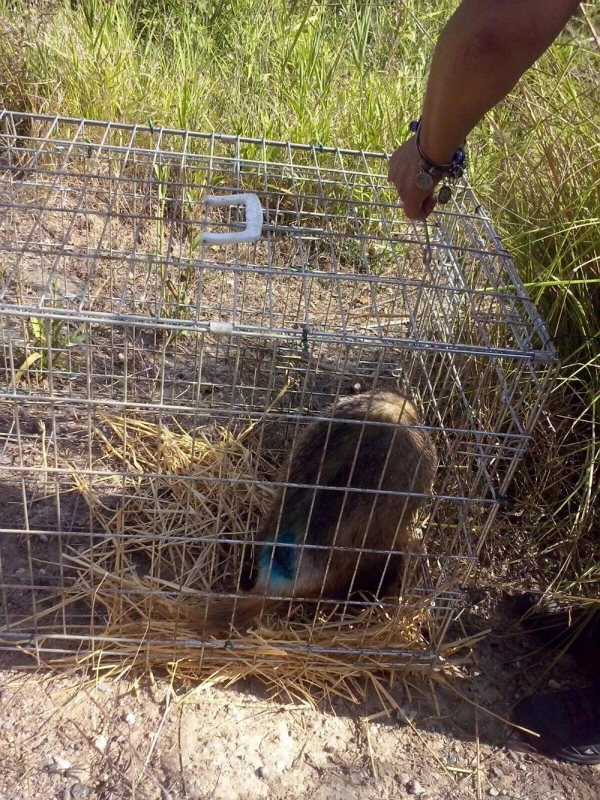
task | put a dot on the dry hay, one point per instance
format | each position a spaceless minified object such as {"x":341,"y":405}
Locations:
{"x":162,"y":547}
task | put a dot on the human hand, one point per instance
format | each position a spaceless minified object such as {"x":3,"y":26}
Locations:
{"x":404,"y":166}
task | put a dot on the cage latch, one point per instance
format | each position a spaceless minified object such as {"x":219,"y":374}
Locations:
{"x":254,"y":219}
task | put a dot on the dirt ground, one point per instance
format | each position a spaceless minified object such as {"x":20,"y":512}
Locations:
{"x":64,"y":737}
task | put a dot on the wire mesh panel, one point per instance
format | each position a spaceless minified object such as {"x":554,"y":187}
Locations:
{"x":183,"y":414}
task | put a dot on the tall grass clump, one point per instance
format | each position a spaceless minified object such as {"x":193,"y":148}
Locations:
{"x":542,"y":182}
{"x":352,"y":73}
{"x":311,"y":71}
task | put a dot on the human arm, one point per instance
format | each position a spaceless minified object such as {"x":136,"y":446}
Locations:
{"x":483,"y":50}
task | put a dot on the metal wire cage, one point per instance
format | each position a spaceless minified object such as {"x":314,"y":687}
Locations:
{"x":134,"y":327}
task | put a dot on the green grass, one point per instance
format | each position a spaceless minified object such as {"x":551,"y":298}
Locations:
{"x":276,"y":68}
{"x":352,"y":73}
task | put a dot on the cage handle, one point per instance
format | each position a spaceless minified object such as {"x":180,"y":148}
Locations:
{"x":254,"y":218}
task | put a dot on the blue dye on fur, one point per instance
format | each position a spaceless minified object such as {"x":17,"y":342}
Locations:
{"x":282,"y":566}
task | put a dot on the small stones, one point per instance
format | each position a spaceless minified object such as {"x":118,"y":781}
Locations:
{"x":493,"y":792}
{"x":8,"y":724}
{"x":554,"y":685}
{"x":62,"y":763}
{"x":263,"y":773}
{"x":78,"y":791}
{"x":101,"y":743}
{"x":58,"y":764}
{"x":451,"y":760}
{"x":403,"y":779}
{"x":414,"y":787}
{"x":496,"y":771}
{"x":129,"y":718}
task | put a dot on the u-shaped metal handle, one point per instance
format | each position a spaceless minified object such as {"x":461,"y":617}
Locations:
{"x":254,"y":218}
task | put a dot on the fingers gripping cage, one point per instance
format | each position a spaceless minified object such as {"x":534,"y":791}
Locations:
{"x":155,"y":379}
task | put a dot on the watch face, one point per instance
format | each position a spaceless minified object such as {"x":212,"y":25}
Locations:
{"x":444,"y":194}
{"x":424,"y":181}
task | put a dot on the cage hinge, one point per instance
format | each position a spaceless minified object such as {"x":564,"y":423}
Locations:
{"x":543,"y":357}
{"x":505,"y":503}
{"x":220,"y":328}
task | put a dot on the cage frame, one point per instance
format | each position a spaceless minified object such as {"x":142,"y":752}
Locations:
{"x":531,"y":351}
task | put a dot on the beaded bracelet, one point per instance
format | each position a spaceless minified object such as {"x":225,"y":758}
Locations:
{"x":430,"y":170}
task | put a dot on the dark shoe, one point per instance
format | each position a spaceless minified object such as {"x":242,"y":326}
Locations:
{"x":568,"y":724}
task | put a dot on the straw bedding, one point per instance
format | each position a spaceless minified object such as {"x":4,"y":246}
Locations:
{"x":167,"y":539}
